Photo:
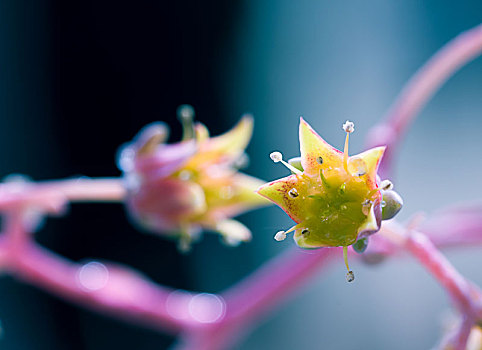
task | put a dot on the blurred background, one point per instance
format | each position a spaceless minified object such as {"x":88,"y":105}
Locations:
{"x":79,"y":78}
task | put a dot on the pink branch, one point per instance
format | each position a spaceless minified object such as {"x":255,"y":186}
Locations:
{"x":466,"y":296}
{"x":259,"y":293}
{"x":124,"y":293}
{"x":455,"y":226}
{"x":51,"y":196}
{"x":108,"y":288}
{"x":442,"y":270}
{"x":274,"y":281}
{"x":420,"y":89}
{"x":111,"y":289}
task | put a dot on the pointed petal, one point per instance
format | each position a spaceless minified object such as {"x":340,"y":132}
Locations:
{"x":234,"y":141}
{"x":312,"y":146}
{"x":372,"y":158}
{"x":245,"y":191}
{"x":165,"y":160}
{"x":150,"y":137}
{"x":278,"y":192}
{"x":370,"y":224}
{"x":231,"y":196}
{"x":226,"y":147}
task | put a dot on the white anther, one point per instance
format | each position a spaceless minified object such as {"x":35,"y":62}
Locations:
{"x":349,"y":126}
{"x":293,"y":193}
{"x":276,"y":157}
{"x":185,"y":112}
{"x":386,"y":185}
{"x":280,"y":236}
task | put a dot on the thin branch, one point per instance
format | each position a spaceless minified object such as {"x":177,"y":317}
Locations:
{"x":53,"y":195}
{"x":274,"y":281}
{"x":451,"y":227}
{"x":464,"y":295}
{"x":441,"y":269}
{"x":258,"y":294}
{"x":107,"y":288}
{"x":125,"y":294}
{"x":423,"y":85}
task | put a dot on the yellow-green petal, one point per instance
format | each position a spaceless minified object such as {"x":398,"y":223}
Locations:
{"x":371,"y":158}
{"x":316,"y":152}
{"x":289,"y":194}
{"x":224,"y":148}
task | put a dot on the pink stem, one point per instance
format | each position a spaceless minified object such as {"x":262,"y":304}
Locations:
{"x":455,"y":226}
{"x":126,"y":294}
{"x":428,"y":79}
{"x":440,"y":268}
{"x":111,"y":289}
{"x":465,"y":296}
{"x":53,"y":195}
{"x":259,"y":293}
{"x":274,"y":281}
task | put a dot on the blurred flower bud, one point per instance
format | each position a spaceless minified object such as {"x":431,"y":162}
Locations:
{"x":178,"y":189}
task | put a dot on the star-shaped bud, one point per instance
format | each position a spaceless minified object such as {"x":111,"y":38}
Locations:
{"x":179,"y":189}
{"x":334,"y":198}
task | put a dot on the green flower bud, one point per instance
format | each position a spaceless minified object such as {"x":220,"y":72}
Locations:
{"x":361,"y":245}
{"x":391,"y":205}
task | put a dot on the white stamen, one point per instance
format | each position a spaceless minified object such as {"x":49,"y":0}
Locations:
{"x":280,"y":236}
{"x":386,"y":185}
{"x":349,"y":126}
{"x":276,"y":157}
{"x":185,"y":112}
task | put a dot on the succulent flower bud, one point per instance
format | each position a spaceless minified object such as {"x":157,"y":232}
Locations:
{"x":176,"y":190}
{"x":392,"y":203}
{"x":361,"y":245}
{"x":332,"y":196}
